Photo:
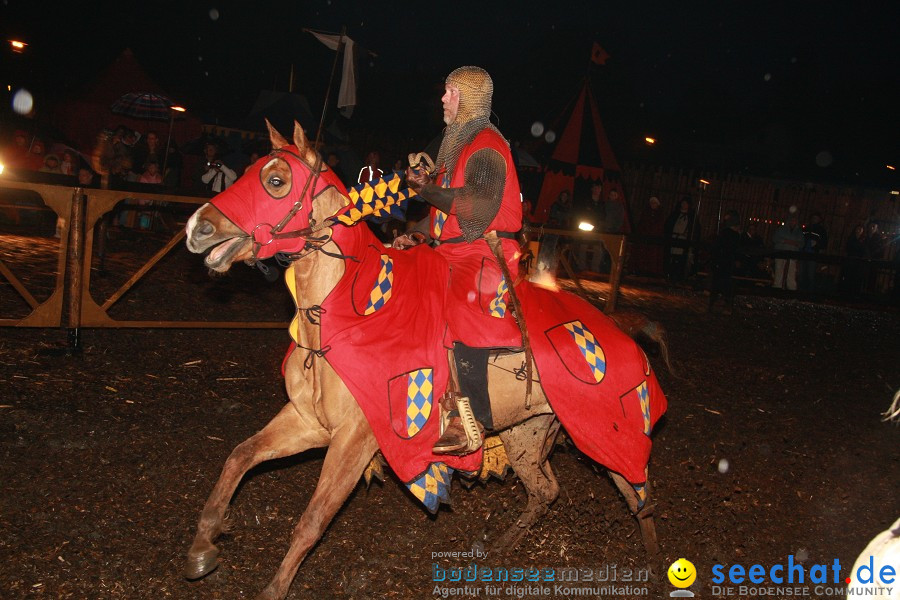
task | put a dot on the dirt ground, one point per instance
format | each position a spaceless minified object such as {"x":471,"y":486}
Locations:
{"x":772,"y":446}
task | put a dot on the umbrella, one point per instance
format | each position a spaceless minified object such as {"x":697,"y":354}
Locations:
{"x":149,"y":106}
{"x":144,"y":105}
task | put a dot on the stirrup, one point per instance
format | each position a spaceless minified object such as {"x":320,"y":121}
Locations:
{"x":469,"y":424}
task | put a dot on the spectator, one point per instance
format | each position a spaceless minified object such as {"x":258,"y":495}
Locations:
{"x":561,"y":211}
{"x":151,"y":173}
{"x":852,"y":269}
{"x":679,"y":229}
{"x":788,"y":237}
{"x":370,"y":172}
{"x":69,"y":164}
{"x":35,"y":158}
{"x":648,"y":256}
{"x":724,"y":256}
{"x":51,"y":164}
{"x":18,"y":155}
{"x":614,"y":209}
{"x":150,"y":149}
{"x":591,"y":255}
{"x":334,"y":163}
{"x":86,"y":178}
{"x":815,"y":241}
{"x":215,"y":176}
{"x":750,"y":256}
{"x":874,"y":243}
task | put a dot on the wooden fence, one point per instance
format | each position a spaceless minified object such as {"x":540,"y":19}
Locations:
{"x":71,"y":304}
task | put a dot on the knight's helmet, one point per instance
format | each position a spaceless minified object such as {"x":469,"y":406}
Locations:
{"x":475,"y":91}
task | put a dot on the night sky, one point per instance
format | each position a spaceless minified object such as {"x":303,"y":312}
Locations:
{"x":781,"y":82}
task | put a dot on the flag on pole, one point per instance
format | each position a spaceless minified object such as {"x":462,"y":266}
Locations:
{"x":347,"y":94}
{"x":599,"y":55}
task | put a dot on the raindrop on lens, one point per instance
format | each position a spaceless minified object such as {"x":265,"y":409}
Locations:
{"x":537,"y":129}
{"x":550,"y":136}
{"x":214,"y":14}
{"x":22,"y":102}
{"x":723,"y":465}
{"x":767,"y":76}
{"x":824,"y":159}
{"x":470,"y":297}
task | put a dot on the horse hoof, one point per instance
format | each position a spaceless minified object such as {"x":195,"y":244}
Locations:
{"x":201,"y":563}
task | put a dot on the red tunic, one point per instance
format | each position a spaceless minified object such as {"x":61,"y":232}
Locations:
{"x":478,"y":305}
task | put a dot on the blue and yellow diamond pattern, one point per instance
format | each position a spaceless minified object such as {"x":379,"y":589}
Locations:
{"x":589,"y":347}
{"x":440,"y":217}
{"x":384,"y":284}
{"x":644,"y":396}
{"x":433,"y":487}
{"x":380,"y":198}
{"x":498,"y":304}
{"x":641,"y":491}
{"x":419,"y":399}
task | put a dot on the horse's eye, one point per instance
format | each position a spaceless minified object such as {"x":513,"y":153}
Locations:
{"x":276,"y":182}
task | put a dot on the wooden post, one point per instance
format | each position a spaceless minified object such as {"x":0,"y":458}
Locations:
{"x":74,"y":268}
{"x":615,"y":276}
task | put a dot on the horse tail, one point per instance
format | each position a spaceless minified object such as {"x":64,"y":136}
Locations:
{"x":893,"y":412}
{"x":635,"y":324}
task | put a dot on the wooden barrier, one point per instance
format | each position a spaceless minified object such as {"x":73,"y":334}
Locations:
{"x":81,"y":210}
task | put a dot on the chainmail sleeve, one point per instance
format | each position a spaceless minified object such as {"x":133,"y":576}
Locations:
{"x":482,"y":193}
{"x":477,"y":202}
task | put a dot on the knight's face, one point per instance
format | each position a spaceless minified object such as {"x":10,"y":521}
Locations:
{"x":450,"y":101}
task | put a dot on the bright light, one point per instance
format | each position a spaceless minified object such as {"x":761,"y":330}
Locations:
{"x":895,"y":192}
{"x":650,"y":141}
{"x":704,"y":182}
{"x":585,"y":226}
{"x":1,"y":168}
{"x":891,"y":167}
{"x":178,"y":108}
{"x":17,"y":46}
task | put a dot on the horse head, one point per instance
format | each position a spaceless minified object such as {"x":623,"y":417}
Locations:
{"x":268,"y":208}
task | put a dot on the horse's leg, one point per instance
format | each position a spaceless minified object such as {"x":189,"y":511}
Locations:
{"x":351,"y":448}
{"x":643,"y":512}
{"x":528,"y":445}
{"x":290,"y":432}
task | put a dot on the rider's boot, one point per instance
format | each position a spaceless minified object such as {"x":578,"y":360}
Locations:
{"x":471,"y":368}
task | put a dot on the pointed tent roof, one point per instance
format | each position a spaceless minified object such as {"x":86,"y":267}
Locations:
{"x":582,"y":153}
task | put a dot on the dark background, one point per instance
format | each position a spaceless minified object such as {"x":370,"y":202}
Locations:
{"x":753,"y":86}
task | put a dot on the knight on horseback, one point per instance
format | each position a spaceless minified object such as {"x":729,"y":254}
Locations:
{"x":473,"y":192}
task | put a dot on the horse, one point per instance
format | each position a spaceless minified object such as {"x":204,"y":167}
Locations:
{"x":322,"y":411}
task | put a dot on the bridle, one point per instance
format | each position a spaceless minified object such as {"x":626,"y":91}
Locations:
{"x":311,"y":244}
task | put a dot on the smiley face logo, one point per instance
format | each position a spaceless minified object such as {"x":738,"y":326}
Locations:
{"x":682,"y":573}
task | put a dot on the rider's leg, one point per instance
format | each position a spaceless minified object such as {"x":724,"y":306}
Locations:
{"x":471,"y":369}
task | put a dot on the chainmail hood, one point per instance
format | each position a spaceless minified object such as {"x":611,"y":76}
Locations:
{"x":475,"y":91}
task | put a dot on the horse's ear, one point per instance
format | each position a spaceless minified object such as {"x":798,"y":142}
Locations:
{"x":276,"y":138}
{"x":300,"y":137}
{"x":302,"y":143}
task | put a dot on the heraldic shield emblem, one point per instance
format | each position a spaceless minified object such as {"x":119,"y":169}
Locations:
{"x":411,"y":401}
{"x":579,"y":351}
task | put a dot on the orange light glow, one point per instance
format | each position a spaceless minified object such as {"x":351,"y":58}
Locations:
{"x":178,"y":108}
{"x":704,"y":182}
{"x":17,"y":46}
{"x":650,"y":141}
{"x":891,"y":167}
